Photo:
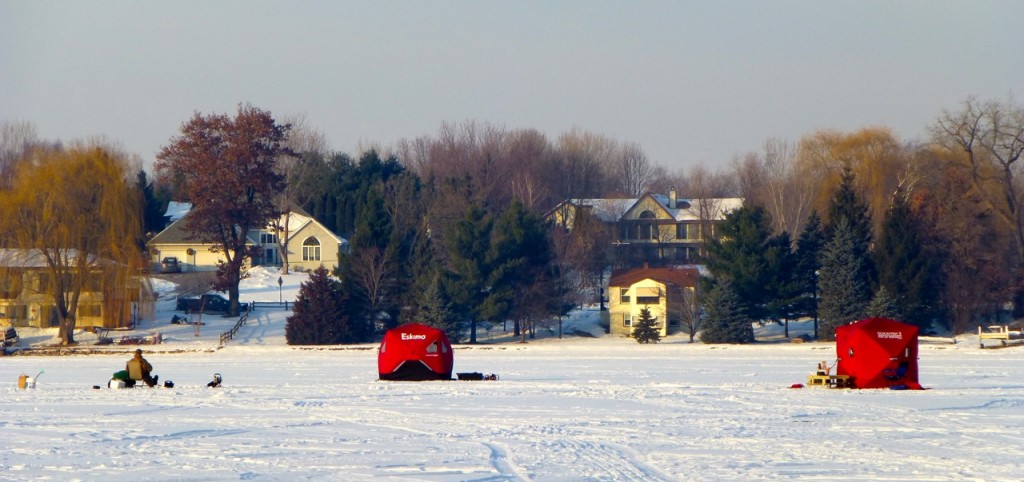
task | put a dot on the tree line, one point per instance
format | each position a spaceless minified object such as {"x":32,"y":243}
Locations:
{"x":451,"y":225}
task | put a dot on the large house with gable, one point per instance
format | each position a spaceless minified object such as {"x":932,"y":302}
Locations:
{"x":655,"y":228}
{"x":309,"y":244}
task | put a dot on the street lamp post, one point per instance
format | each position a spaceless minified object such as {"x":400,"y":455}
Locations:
{"x":280,"y":297}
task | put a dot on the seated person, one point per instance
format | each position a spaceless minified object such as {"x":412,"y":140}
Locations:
{"x":142,"y":367}
{"x":823,"y":368}
{"x":216,"y":381}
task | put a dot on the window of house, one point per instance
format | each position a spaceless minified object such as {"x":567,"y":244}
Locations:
{"x":42,"y":282}
{"x":627,"y":231}
{"x":627,"y":320}
{"x":94,"y":310}
{"x":10,"y":286}
{"x":649,"y":229}
{"x":268,"y":238}
{"x":432,"y":348}
{"x":311,"y":249}
{"x":269,"y":255}
{"x":688,"y":231}
{"x":648,"y":295}
{"x":623,"y":295}
{"x":673,"y":322}
{"x":18,"y":312}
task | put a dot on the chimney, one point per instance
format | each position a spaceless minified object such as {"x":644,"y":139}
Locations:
{"x":645,"y":265}
{"x":672,"y":199}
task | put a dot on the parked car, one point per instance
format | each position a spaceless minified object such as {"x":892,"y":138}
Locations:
{"x":208,"y":303}
{"x":170,"y":265}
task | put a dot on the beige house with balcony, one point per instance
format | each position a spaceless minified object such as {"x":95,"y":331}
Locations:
{"x":660,"y":290}
{"x":655,"y":228}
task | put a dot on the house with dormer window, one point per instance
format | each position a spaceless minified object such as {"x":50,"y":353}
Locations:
{"x":309,"y":245}
{"x":654,"y":228}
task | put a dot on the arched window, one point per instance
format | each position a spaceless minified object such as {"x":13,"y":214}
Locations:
{"x":311,"y":249}
{"x":648,"y":229}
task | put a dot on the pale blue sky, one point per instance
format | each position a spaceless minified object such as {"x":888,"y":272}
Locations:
{"x":693,"y":82}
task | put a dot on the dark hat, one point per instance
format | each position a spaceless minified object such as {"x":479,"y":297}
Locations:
{"x":138,"y":351}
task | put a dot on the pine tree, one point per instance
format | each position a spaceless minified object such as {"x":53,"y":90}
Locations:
{"x":466,"y":280}
{"x":843,"y":287}
{"x":883,"y":305}
{"x":518,"y":258}
{"x":849,"y":206}
{"x":726,"y":321}
{"x":905,"y":270}
{"x":645,"y":330}
{"x":739,"y":254}
{"x":808,"y":251}
{"x":435,"y":310}
{"x":318,"y":317}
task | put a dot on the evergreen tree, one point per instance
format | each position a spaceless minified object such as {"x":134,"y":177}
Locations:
{"x":843,"y":288}
{"x":849,"y":206}
{"x":760,"y":266}
{"x":467,"y":242}
{"x":883,"y":305}
{"x":644,"y":330}
{"x":726,"y":320}
{"x":435,"y":310}
{"x":154,"y":205}
{"x":808,"y":251}
{"x":518,"y":258}
{"x":908,"y":274}
{"x":318,"y":317}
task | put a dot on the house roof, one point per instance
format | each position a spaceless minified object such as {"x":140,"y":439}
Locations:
{"x":606,"y":210}
{"x":177,"y":210}
{"x":685,"y":209}
{"x":683,"y":277}
{"x":176,"y":233}
{"x":34,"y":258}
{"x":689,"y":209}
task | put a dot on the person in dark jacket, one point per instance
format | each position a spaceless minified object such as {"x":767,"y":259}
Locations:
{"x":145,"y":367}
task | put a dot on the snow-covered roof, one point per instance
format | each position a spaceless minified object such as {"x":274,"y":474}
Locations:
{"x":177,"y":210}
{"x":607,"y":210}
{"x":690,"y":209}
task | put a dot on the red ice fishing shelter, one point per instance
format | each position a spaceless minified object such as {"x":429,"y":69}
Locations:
{"x":415,"y":352}
{"x":878,"y":353}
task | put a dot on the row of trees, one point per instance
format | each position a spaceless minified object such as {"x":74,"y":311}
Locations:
{"x":837,"y":271}
{"x":436,"y":214}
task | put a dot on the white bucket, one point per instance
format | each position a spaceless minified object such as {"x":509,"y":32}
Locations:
{"x":26,"y":382}
{"x":115,"y":383}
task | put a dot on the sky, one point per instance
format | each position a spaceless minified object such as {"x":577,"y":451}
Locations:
{"x":692,"y":82}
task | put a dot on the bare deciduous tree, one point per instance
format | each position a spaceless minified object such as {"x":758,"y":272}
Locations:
{"x":989,"y":138}
{"x":373,"y":271}
{"x":633,"y":170}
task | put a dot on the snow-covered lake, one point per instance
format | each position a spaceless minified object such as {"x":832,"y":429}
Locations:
{"x":596,"y":409}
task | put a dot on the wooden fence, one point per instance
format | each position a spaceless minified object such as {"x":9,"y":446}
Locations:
{"x":230,"y":334}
